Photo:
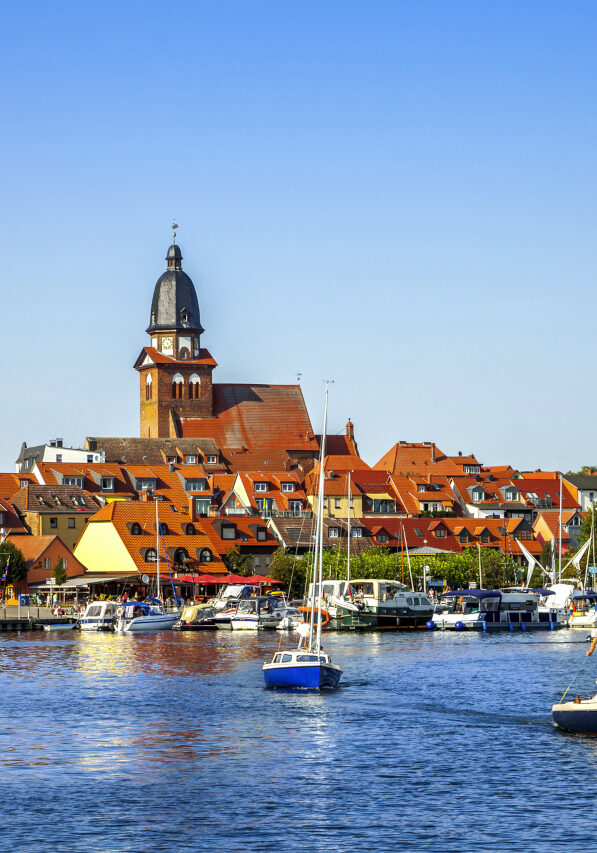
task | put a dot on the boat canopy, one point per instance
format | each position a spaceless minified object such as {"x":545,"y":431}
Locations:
{"x":472,"y":593}
{"x":540,"y":591}
{"x":587,"y":596}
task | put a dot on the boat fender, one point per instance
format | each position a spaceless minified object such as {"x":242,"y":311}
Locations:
{"x":459,"y":626}
{"x":592,"y":647}
{"x":430,"y":625}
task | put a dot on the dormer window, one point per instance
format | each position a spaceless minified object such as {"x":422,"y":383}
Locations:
{"x":145,"y":484}
{"x":228,"y":531}
{"x":421,"y":487}
{"x":260,"y":486}
{"x":212,"y":460}
{"x":261,"y":534}
{"x":440,"y":532}
{"x":356,"y":532}
{"x":198,"y":485}
{"x":73,"y":481}
{"x":190,"y":460}
{"x":288,"y":487}
{"x":136,"y":529}
{"x":107,"y":484}
{"x":382,"y":537}
{"x":478,"y":494}
{"x":334,"y":532}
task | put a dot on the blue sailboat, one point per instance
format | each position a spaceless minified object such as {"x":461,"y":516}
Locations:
{"x":308,"y":667}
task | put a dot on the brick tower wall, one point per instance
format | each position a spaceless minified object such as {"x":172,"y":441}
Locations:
{"x":155,"y":413}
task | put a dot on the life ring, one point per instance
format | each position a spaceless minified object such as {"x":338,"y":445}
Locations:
{"x":120,"y":611}
{"x":324,"y":614}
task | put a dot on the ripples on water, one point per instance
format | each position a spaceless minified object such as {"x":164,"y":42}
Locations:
{"x":436,"y":742}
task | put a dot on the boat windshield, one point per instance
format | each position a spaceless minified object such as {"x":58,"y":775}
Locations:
{"x":308,"y":658}
{"x":94,"y":610}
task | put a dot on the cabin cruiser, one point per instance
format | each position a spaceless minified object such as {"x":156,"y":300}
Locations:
{"x":136,"y":617}
{"x":301,"y":669}
{"x":579,"y":715}
{"x":99,"y":616}
{"x":345,"y":610}
{"x":584,"y":610}
{"x":392,"y":603}
{"x":254,"y":613}
{"x":492,"y":610}
{"x":197,"y":616}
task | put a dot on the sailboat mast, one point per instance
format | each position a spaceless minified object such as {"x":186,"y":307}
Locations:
{"x":348,"y":551}
{"x":321,"y":488}
{"x":157,"y":543}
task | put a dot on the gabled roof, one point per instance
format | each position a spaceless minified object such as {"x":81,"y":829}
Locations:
{"x":150,"y":355}
{"x":54,"y":499}
{"x":11,"y":483}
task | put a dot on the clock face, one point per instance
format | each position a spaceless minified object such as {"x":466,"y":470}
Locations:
{"x":167,"y":345}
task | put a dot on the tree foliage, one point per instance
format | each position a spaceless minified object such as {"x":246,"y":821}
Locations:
{"x":237,"y":563}
{"x":17,"y":567}
{"x":59,"y":572}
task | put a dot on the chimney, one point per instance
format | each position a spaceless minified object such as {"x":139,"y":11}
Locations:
{"x":433,"y":451}
{"x":59,"y":442}
{"x":350,"y":430}
{"x":192,"y":513}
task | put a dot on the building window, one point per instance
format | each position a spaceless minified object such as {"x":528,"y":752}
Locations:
{"x":260,"y":487}
{"x":136,"y":529}
{"x":202,"y":506}
{"x":195,"y":485}
{"x":145,"y":485}
{"x":107,"y":484}
{"x":151,"y":556}
{"x":177,"y":386}
{"x":295,"y":507}
{"x":190,"y":460}
{"x":334,"y":532}
{"x":381,"y":537}
{"x":180,"y":555}
{"x":148,"y":387}
{"x":194,"y":387}
{"x":261,"y":535}
{"x":485,"y":538}
{"x":383,"y":505}
{"x":164,"y":531}
{"x":228,"y":532}
{"x":64,"y":563}
{"x":59,"y":457}
{"x":205,"y":556}
{"x":212,"y":460}
{"x":337,"y":503}
{"x":190,"y":530}
{"x":356,"y":532}
{"x":440,"y":533}
{"x":73,"y":481}
{"x":53,"y":522}
{"x":288,"y":487}
{"x":71,"y":523}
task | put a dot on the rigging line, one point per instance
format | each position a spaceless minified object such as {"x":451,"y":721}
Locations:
{"x":584,"y":660}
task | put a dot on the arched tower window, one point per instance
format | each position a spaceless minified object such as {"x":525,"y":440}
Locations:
{"x":148,"y":387}
{"x":177,"y":387}
{"x":194,"y":387}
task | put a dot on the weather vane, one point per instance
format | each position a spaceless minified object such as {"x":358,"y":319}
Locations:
{"x":298,"y":375}
{"x":174,"y":227}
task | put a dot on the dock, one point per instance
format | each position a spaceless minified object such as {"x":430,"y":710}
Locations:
{"x":28,"y":618}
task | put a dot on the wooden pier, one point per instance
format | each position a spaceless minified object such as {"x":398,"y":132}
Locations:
{"x":28,"y":618}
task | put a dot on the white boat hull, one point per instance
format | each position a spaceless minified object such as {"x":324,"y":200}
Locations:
{"x":148,"y":624}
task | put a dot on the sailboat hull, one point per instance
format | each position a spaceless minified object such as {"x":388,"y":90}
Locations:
{"x":305,"y":676}
{"x":577,"y":717}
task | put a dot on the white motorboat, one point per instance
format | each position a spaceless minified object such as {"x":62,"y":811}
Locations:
{"x":99,"y":616}
{"x":254,"y":613}
{"x":584,"y":612}
{"x":137,"y":617}
{"x":492,"y":609}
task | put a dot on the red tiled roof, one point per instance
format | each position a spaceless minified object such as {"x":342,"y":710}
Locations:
{"x":255,"y":417}
{"x":159,"y":358}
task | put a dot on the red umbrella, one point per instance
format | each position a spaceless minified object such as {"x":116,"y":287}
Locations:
{"x":204,"y":579}
{"x":262,"y":579}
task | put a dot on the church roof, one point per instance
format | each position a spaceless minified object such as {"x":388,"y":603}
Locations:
{"x":255,"y":417}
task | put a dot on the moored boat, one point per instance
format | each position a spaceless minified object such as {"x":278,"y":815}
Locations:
{"x":579,"y":715}
{"x":99,"y":616}
{"x":137,"y":617}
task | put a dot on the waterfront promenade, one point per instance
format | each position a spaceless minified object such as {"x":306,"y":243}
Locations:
{"x":435,"y":741}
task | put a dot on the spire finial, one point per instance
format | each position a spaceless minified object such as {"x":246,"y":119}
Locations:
{"x":174,"y":227}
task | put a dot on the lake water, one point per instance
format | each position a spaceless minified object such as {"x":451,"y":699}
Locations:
{"x":435,"y":742}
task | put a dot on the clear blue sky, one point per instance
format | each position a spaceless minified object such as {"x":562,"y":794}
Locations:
{"x":400,"y":196}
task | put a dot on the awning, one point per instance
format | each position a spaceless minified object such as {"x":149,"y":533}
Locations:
{"x":472,"y":593}
{"x":261,"y":579}
{"x":91,"y":580}
{"x":202,"y":579}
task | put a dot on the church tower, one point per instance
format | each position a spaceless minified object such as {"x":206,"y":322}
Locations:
{"x":175,"y":373}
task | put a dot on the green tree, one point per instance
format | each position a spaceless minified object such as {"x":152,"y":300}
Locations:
{"x":237,"y":563}
{"x":59,"y":572}
{"x":291,"y":570}
{"x":17,"y":567}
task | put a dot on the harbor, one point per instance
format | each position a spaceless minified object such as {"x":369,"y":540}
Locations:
{"x":431,"y":742}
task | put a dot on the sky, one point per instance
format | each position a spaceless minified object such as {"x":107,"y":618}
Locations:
{"x":398,"y":196}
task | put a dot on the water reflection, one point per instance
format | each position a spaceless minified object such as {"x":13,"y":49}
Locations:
{"x":175,"y":735}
